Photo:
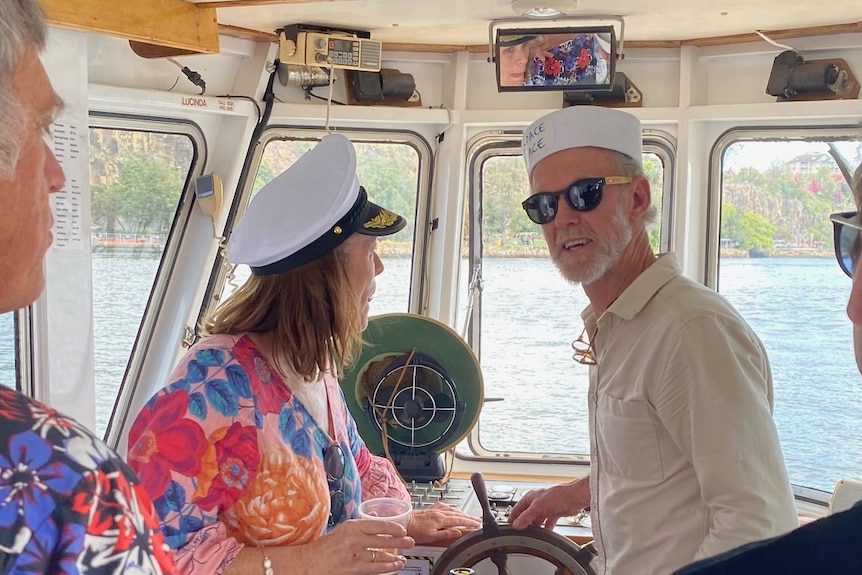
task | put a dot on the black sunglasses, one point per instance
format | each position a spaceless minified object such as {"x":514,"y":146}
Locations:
{"x":582,"y":196}
{"x":333,"y":465}
{"x":847,"y":228}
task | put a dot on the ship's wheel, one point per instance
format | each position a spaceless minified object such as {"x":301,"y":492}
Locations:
{"x":497,"y":542}
{"x":415,"y":391}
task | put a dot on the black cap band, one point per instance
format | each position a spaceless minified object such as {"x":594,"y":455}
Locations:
{"x":330,"y":240}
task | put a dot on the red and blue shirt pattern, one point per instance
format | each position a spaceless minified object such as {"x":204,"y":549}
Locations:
{"x":230,"y":457}
{"x":68,"y":503}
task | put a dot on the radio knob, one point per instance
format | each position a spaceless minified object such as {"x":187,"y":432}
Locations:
{"x":320,"y":57}
{"x":320,"y":43}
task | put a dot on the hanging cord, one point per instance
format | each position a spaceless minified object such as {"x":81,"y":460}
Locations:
{"x":382,"y":416}
{"x":194,"y":77}
{"x":329,"y":97}
{"x":254,"y":141}
{"x":474,"y":288}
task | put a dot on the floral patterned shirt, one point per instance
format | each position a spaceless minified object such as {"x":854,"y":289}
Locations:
{"x":68,"y":503}
{"x":231,"y":457}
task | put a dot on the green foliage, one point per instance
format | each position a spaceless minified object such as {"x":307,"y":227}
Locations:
{"x":143,"y":199}
{"x":136,"y":179}
{"x":745,"y":228}
{"x":106,"y":208}
{"x":755,"y":231}
{"x":787,"y":204}
{"x":389,"y":173}
{"x":504,"y":187}
{"x":654,"y":172}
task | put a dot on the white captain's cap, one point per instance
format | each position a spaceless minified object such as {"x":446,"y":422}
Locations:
{"x":307,"y":211}
{"x":582,"y":126}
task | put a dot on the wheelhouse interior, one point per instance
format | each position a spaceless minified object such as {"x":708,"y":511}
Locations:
{"x":163,"y":92}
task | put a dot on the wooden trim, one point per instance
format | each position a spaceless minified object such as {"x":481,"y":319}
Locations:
{"x":244,"y":3}
{"x":775,"y":35}
{"x":258,"y":36}
{"x":170,"y":23}
{"x":438,"y":48}
{"x":247,"y":33}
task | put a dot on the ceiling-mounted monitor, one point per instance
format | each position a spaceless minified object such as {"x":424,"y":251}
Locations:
{"x":566,"y":58}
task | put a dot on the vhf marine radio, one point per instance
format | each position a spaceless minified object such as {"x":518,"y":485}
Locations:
{"x":327,"y":48}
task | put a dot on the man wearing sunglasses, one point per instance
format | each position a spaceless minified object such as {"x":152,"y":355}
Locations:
{"x":830,"y":545}
{"x":685,"y":461}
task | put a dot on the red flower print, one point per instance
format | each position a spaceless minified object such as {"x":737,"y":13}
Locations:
{"x":553,"y":66}
{"x":270,"y":393}
{"x":162,"y":440}
{"x":583,"y":58}
{"x":237,"y":460}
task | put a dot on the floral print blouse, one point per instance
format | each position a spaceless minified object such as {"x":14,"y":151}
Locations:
{"x":230,"y":457}
{"x":68,"y":503}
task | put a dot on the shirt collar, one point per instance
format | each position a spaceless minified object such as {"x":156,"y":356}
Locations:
{"x":640,"y":292}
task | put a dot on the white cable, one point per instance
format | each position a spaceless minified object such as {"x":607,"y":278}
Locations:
{"x":329,"y":98}
{"x":774,"y":43}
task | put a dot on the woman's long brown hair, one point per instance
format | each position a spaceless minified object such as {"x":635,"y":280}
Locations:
{"x":311,"y":312}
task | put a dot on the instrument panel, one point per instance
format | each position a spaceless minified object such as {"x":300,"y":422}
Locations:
{"x":502,"y":496}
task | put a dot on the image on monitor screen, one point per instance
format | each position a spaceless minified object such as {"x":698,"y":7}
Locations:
{"x":556,"y":59}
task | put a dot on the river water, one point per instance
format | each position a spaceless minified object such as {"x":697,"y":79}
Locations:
{"x":529,"y":318}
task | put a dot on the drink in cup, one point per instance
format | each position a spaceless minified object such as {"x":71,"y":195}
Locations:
{"x":390,"y":509}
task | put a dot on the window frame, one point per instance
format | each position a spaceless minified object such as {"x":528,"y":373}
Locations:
{"x":508,"y":143}
{"x":179,"y":227}
{"x":808,"y":495}
{"x":715,"y":176}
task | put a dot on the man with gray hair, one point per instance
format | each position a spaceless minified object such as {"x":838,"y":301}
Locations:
{"x":68,"y":503}
{"x":684,"y":456}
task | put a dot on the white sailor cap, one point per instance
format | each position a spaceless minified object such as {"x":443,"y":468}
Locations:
{"x":582,"y":126}
{"x":307,"y":211}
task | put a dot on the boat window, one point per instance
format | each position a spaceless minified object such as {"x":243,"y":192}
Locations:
{"x":136,"y":179}
{"x":8,"y":352}
{"x":526,"y":315}
{"x":390,"y":172}
{"x":776,"y":265}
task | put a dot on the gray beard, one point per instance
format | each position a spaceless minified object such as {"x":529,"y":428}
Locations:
{"x":606,"y":255}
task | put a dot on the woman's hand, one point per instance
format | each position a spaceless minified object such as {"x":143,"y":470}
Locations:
{"x":539,"y":47}
{"x":440,"y":522}
{"x":356,"y":547}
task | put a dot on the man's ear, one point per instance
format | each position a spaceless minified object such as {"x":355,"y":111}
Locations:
{"x":641,"y":196}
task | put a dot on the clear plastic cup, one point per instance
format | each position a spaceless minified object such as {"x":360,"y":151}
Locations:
{"x":389,"y":508}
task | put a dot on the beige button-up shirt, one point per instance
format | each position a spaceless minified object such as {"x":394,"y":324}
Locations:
{"x":685,"y":455}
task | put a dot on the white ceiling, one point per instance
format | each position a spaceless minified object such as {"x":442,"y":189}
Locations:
{"x":465,"y":22}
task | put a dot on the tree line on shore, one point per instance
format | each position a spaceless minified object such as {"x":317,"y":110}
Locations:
{"x":137,"y":179}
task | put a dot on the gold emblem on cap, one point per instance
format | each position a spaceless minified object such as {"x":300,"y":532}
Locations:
{"x":382,"y":220}
{"x":336,"y":230}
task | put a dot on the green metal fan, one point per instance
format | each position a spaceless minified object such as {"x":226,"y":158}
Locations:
{"x":415,"y":391}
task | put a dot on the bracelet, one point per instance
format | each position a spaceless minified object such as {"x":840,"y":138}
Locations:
{"x":267,"y":563}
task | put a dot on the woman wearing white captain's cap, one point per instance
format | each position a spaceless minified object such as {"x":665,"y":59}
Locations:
{"x":249,"y":453}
